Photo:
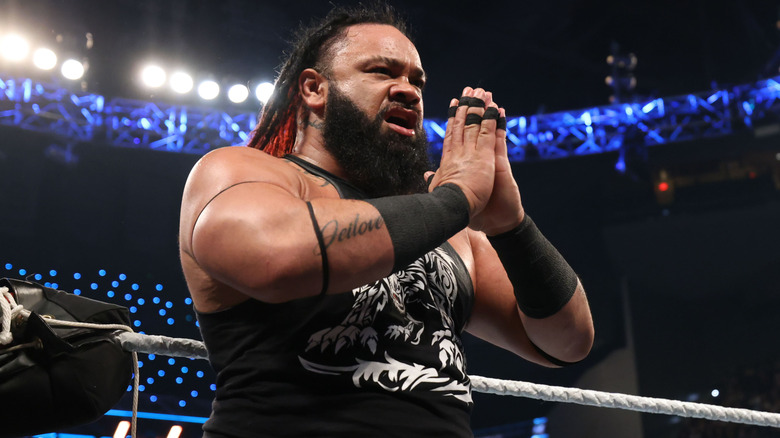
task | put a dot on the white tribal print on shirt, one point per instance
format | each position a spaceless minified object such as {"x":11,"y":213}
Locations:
{"x":401,"y":333}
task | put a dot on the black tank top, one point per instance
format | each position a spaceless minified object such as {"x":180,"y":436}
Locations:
{"x":384,"y":360}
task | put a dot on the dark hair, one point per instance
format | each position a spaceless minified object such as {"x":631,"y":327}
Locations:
{"x":276,"y":131}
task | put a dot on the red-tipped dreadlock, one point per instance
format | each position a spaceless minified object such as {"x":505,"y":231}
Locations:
{"x":278,"y":126}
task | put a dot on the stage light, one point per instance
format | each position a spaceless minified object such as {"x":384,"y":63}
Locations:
{"x":181,"y":82}
{"x":175,"y":431}
{"x":72,"y":69}
{"x":663,"y":186}
{"x":238,"y":93}
{"x":14,"y":48}
{"x":44,"y":59}
{"x":715,"y":393}
{"x":153,"y":76}
{"x":121,"y":429}
{"x":208,"y":90}
{"x":264,"y":91}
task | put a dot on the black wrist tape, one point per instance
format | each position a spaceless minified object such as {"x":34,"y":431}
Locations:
{"x":542,"y":279}
{"x":419,"y":223}
{"x":473,"y":119}
{"x":323,"y":253}
{"x":451,"y":111}
{"x":471,"y":101}
{"x":501,"y":123}
{"x":490,"y":113}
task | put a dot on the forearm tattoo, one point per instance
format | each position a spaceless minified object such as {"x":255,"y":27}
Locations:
{"x":334,"y":231}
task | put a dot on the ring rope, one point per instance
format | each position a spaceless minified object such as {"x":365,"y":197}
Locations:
{"x":194,"y":349}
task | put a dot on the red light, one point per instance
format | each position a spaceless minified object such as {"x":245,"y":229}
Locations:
{"x":664,"y":186}
{"x":752,"y":175}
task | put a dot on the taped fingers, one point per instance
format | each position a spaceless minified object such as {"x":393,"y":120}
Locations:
{"x":490,"y":114}
{"x":471,"y":102}
{"x":473,"y":119}
{"x":451,"y":111}
{"x":501,"y":123}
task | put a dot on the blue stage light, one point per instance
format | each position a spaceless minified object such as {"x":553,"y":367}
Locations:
{"x":213,"y":387}
{"x":170,"y":321}
{"x":134,"y":286}
{"x":140,"y":364}
{"x":168,"y":304}
{"x":162,"y":312}
{"x":159,"y":287}
{"x":22,"y":272}
{"x":76,"y":276}
{"x":93,"y":286}
{"x":160,"y":373}
{"x":133,"y":309}
{"x":179,"y":380}
{"x":128,"y":297}
{"x":151,"y":356}
{"x":47,"y":284}
{"x":110,"y":294}
{"x":194,"y":393}
{"x":141,"y":388}
{"x":38,"y":277}
{"x":8,"y":266}
{"x":153,"y":398}
{"x":200,"y":374}
{"x":184,"y":370}
{"x":156,"y":300}
{"x":171,"y":361}
{"x":53,"y":273}
{"x":141,"y":301}
{"x":115,"y":283}
{"x":137,"y":323}
{"x":122,"y":277}
{"x":55,"y":285}
{"x":102,"y":272}
{"x":182,"y":403}
{"x":188,"y":301}
{"x":76,"y":291}
{"x":150,"y":380}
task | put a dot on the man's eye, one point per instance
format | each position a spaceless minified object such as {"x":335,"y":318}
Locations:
{"x":381,"y":70}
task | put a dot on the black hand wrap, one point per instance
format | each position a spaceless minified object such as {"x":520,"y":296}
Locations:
{"x":501,"y":123}
{"x":473,"y":119}
{"x":451,"y":111}
{"x":490,"y":113}
{"x":419,"y":223}
{"x":542,"y":279}
{"x":471,"y":101}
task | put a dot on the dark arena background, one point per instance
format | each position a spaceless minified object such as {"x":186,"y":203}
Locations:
{"x":645,"y":139}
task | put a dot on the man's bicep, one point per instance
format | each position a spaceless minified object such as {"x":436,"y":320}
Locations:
{"x":258,"y":239}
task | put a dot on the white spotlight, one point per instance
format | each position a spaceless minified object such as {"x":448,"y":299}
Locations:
{"x":121,"y":429}
{"x":72,"y":69}
{"x":181,"y":82}
{"x":238,"y":93}
{"x":153,"y":76}
{"x":14,"y":48}
{"x":44,"y":59}
{"x":715,"y":393}
{"x":264,"y":91}
{"x":175,"y":431}
{"x":208,"y":90}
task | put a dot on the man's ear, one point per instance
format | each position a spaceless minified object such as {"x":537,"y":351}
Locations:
{"x":314,"y":90}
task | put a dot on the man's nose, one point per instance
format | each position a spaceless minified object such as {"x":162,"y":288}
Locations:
{"x":405,"y":92}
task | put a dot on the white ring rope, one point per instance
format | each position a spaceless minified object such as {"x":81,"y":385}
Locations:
{"x":194,"y":349}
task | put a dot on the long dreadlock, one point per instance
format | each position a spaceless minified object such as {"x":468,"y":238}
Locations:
{"x":278,"y":126}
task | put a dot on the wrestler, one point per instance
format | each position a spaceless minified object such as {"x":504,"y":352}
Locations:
{"x":333,"y":274}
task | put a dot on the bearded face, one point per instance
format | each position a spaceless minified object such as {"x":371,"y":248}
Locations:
{"x":381,"y":162}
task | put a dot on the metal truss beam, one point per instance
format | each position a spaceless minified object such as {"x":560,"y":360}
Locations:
{"x":86,"y":117}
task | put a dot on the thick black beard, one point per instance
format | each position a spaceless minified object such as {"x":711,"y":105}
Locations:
{"x":378,"y":163}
